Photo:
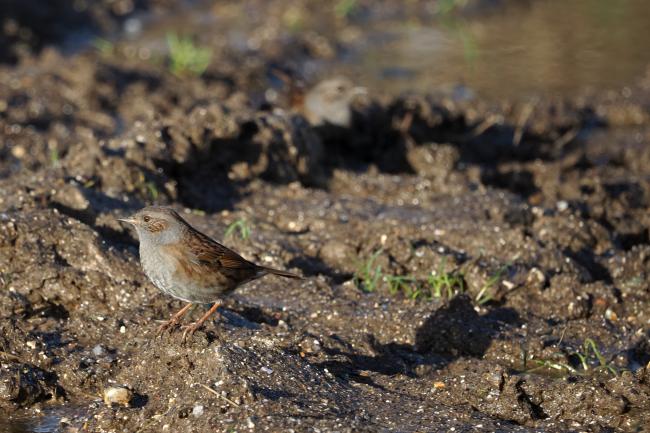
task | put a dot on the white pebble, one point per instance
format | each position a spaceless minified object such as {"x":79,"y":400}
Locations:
{"x":197,"y":410}
{"x":117,"y":394}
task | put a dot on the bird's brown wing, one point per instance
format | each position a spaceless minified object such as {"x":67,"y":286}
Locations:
{"x":219,"y":258}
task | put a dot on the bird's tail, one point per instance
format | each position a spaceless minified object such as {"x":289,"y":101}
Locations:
{"x":266,"y":270}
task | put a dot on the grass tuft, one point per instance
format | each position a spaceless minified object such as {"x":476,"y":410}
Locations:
{"x":446,"y":7}
{"x":240,"y":226}
{"x":368,"y":276}
{"x":152,"y":190}
{"x":486,"y":294}
{"x":187,"y":58}
{"x":402,"y":283}
{"x":54,"y":157}
{"x":443,"y":283}
{"x":345,"y":8}
{"x":590,"y":361}
{"x":104,"y":47}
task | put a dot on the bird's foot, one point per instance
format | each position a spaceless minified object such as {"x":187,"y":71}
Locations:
{"x":175,"y":319}
{"x":190,"y":329}
{"x":171,"y":323}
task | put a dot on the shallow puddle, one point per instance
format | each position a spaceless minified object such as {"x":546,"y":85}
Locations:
{"x":49,"y":422}
{"x":515,"y":51}
{"x":522,"y":50}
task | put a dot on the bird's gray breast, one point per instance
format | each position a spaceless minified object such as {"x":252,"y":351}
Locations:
{"x":163,"y":271}
{"x":157,"y":268}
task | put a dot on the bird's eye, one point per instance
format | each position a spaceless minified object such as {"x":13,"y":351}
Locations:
{"x":146,"y":218}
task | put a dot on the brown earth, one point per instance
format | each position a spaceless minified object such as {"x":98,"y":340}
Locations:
{"x":541,"y":211}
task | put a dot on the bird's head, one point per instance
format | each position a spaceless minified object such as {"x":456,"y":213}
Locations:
{"x":157,"y":224}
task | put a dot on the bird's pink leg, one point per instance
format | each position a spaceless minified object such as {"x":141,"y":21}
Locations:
{"x":189,"y":329}
{"x":174,"y":319}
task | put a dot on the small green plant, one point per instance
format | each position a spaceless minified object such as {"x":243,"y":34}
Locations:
{"x":152,"y":190}
{"x":54,"y":156}
{"x":590,"y":360}
{"x":445,"y":7}
{"x":442,"y":283}
{"x":104,"y":46}
{"x":418,"y":290}
{"x":344,"y":8}
{"x":590,"y":355}
{"x":486,"y":294}
{"x":241,"y":226}
{"x":397,"y":283}
{"x":186,"y":57}
{"x":368,"y":276}
{"x":5,"y":280}
{"x":552,"y":365}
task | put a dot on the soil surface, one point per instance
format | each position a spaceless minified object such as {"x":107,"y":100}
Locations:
{"x":469,"y":266}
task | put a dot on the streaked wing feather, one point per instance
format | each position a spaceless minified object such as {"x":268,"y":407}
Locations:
{"x":211,"y":253}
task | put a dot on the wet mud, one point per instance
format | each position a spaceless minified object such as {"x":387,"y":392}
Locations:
{"x":469,"y":265}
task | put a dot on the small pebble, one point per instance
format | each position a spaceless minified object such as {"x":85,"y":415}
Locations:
{"x":611,"y":315}
{"x":197,"y":410}
{"x":117,"y":395}
{"x":98,"y":350}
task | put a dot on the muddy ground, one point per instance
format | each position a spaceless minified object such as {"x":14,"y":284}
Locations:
{"x":537,"y":215}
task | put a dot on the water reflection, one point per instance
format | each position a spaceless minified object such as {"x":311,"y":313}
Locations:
{"x":48,"y":423}
{"x":532,"y":48}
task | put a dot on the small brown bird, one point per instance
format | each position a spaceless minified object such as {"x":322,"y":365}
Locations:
{"x":188,"y":265}
{"x":328,"y":103}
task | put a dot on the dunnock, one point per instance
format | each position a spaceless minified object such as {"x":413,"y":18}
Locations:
{"x":328,"y":103}
{"x":188,"y":265}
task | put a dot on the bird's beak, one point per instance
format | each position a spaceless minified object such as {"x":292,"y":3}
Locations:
{"x":129,"y":220}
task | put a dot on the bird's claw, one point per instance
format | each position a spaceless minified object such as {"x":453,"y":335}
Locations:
{"x":170,"y":324}
{"x":190,"y":329}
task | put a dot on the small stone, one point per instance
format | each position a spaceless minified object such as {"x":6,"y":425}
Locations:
{"x":18,"y":152}
{"x":197,"y":410}
{"x":117,"y":395}
{"x":536,"y":278}
{"x":611,"y":315}
{"x":98,"y":350}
